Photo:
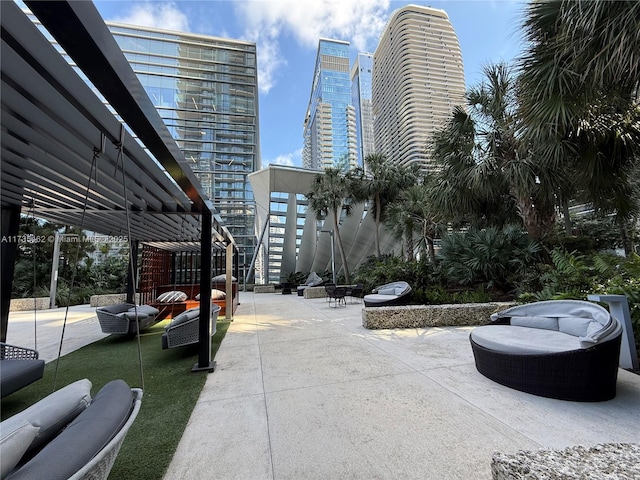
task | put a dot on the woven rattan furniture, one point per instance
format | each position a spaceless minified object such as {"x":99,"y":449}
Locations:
{"x":184,"y":328}
{"x":19,"y":367}
{"x":565,"y":349}
{"x":395,"y":293}
{"x":338,"y":296}
{"x":121,"y":318}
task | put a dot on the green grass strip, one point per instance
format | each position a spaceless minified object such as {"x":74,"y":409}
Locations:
{"x":170,"y":393}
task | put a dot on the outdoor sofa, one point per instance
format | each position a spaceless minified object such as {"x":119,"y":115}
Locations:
{"x":563,"y":349}
{"x":68,"y":434}
{"x":19,"y":367}
{"x":395,"y":293}
{"x":121,"y":318}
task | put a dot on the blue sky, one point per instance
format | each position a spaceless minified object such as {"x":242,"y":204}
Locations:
{"x":287,"y":31}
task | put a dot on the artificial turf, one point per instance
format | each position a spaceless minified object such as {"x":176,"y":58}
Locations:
{"x":169,"y":395}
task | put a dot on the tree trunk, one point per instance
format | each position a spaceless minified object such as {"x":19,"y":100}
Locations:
{"x":378,"y":215}
{"x":345,"y":265}
{"x":537,"y":220}
{"x":625,"y":238}
{"x":568,"y":228}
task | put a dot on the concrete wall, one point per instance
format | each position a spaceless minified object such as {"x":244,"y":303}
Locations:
{"x":25,"y":304}
{"x":418,"y":316}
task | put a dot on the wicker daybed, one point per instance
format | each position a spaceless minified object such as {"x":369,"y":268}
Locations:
{"x":564,"y":349}
{"x":390,"y":294}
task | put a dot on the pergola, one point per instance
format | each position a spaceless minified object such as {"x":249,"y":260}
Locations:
{"x":68,"y":159}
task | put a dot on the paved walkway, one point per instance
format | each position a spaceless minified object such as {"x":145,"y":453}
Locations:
{"x":303,"y":391}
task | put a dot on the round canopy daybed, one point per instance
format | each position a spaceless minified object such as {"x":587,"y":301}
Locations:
{"x":564,"y":349}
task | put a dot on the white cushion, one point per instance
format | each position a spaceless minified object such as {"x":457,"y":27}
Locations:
{"x":523,"y":340}
{"x":223,"y":278}
{"x":15,"y":439}
{"x":547,"y":323}
{"x":172,"y":296}
{"x":215,"y":294}
{"x":54,"y":412}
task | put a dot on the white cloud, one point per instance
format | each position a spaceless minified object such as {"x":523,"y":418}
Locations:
{"x":357,"y":21}
{"x":155,"y":14}
{"x":288,"y":159}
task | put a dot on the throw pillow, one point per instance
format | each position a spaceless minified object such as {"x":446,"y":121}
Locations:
{"x":223,"y":278}
{"x":14,"y":442}
{"x":576,"y":326}
{"x":215,"y":294}
{"x":172,"y":297}
{"x":546,"y":323}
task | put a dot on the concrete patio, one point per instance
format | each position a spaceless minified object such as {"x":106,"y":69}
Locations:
{"x":302,"y":390}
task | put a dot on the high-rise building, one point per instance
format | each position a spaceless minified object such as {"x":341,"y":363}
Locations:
{"x":205,"y":89}
{"x":418,"y":79}
{"x":361,"y":76}
{"x":330,"y":121}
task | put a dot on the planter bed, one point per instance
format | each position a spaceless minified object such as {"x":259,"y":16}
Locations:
{"x":420,"y":316}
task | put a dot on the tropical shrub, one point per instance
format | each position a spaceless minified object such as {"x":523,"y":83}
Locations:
{"x":496,"y":258}
{"x":573,"y":276}
{"x":420,"y":274}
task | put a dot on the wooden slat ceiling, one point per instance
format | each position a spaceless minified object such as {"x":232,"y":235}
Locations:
{"x":66,"y":158}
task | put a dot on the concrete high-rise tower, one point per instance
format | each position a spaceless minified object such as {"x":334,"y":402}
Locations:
{"x":330,"y":121}
{"x":418,"y":78}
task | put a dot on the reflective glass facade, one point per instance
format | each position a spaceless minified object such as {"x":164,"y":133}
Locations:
{"x":330,"y":121}
{"x":361,"y":75}
{"x":205,"y":89}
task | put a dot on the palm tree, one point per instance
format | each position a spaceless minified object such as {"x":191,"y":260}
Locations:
{"x":414,"y":213}
{"x":331,"y":195}
{"x":379,"y":183}
{"x":579,"y":87}
{"x":485,"y":161}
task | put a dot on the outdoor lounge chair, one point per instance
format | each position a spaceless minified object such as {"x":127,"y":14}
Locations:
{"x":19,"y":367}
{"x":121,"y":318}
{"x":184,"y":328}
{"x":395,"y":293}
{"x":564,"y":349}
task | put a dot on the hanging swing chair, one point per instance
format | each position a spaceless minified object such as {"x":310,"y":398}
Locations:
{"x":69,"y":434}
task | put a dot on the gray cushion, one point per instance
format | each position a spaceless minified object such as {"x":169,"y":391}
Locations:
{"x":145,"y":309}
{"x":116,"y":308}
{"x":84,"y":437}
{"x":184,"y":317}
{"x":14,"y":442}
{"x":18,"y":373}
{"x":54,"y":412}
{"x":523,"y":340}
{"x":547,"y":323}
{"x":576,"y":326}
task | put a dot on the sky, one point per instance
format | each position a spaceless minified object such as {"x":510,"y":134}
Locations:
{"x":286,"y":33}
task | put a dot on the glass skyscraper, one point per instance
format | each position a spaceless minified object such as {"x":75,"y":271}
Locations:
{"x":330,"y":121}
{"x":205,"y":89}
{"x":361,"y":75}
